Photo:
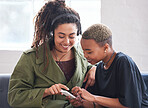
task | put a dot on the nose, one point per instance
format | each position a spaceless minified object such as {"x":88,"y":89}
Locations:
{"x":67,"y":41}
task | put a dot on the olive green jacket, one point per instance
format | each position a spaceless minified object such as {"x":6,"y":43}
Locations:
{"x":30,"y":78}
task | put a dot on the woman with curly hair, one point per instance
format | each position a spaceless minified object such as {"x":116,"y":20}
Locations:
{"x":53,"y":63}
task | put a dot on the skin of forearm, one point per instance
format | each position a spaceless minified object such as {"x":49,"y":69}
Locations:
{"x":98,"y":106}
{"x":88,"y":104}
{"x":108,"y":102}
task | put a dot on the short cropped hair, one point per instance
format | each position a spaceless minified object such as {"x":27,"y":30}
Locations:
{"x":100,"y":33}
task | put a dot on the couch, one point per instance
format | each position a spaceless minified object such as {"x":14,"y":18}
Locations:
{"x":4,"y":81}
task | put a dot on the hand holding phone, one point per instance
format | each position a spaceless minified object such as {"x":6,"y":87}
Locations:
{"x":66,"y":93}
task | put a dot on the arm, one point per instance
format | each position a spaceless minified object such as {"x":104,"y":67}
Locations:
{"x":130,"y":83}
{"x":78,"y":101}
{"x":108,"y":102}
{"x":88,"y":104}
{"x":54,"y":89}
{"x":103,"y":101}
{"x":26,"y":89}
{"x":90,"y":77}
{"x":21,"y":86}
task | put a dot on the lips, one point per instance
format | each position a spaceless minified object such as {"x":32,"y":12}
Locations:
{"x":89,"y":60}
{"x":65,"y":47}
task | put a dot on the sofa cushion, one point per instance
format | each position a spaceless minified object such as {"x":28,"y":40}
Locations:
{"x":4,"y":82}
{"x":145,"y":77}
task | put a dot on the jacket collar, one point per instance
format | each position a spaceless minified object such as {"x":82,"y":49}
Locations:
{"x":58,"y":76}
{"x":41,"y":54}
{"x":40,"y":59}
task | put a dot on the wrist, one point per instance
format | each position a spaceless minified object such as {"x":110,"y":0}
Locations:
{"x":45,"y":93}
{"x":83,"y":102}
{"x":87,"y":104}
{"x":93,"y":98}
{"x":94,"y":105}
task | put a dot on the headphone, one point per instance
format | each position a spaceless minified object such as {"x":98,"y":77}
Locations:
{"x":63,"y":15}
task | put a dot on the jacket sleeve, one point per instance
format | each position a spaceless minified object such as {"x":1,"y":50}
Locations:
{"x":21,"y":91}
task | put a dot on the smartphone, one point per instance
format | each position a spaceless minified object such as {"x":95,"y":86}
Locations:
{"x":66,"y":93}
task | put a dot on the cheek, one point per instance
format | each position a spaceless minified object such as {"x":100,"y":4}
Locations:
{"x":90,"y":56}
{"x":57,"y":41}
{"x":96,"y":56}
{"x":72,"y":41}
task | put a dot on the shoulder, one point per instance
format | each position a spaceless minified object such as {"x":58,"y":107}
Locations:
{"x":31,"y":50}
{"x":121,"y":57}
{"x":30,"y":54}
{"x":125,"y":64}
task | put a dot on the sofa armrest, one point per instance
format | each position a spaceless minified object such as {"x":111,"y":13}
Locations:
{"x":145,"y":77}
{"x":4,"y":82}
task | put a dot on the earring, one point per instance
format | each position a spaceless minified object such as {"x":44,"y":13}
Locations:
{"x":105,"y":51}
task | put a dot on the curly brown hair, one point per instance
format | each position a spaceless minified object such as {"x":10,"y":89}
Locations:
{"x":45,"y":22}
{"x":50,"y":16}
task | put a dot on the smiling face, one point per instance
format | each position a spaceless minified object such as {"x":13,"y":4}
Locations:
{"x":92,"y":51}
{"x":65,"y":37}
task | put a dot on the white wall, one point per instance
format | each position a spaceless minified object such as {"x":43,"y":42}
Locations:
{"x":128,"y":20}
{"x":8,"y":60}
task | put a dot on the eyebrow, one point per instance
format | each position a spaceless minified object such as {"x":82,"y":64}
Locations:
{"x":72,"y":33}
{"x":61,"y":33}
{"x":65,"y":34}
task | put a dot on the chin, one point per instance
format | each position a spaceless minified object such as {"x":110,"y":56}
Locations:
{"x":91,"y":62}
{"x":62,"y":50}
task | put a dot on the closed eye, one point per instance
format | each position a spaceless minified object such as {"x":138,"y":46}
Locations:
{"x":89,"y":52}
{"x":72,"y":37}
{"x":61,"y":36}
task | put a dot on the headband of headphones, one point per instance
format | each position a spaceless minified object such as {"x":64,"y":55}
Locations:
{"x":63,"y":15}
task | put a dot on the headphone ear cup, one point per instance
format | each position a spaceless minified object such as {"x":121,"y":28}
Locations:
{"x":51,"y":33}
{"x":52,"y":37}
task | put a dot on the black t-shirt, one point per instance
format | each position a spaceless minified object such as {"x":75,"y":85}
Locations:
{"x":121,"y":80}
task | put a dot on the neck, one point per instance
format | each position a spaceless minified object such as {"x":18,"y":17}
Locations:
{"x":61,"y":56}
{"x":109,"y":59}
{"x":59,"y":53}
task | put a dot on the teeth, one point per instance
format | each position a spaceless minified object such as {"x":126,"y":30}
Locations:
{"x":65,"y":46}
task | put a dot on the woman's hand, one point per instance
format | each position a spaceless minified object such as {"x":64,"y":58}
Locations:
{"x":90,"y":77}
{"x":83,"y":93}
{"x":84,"y":103}
{"x":76,"y":102}
{"x":54,"y":89}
